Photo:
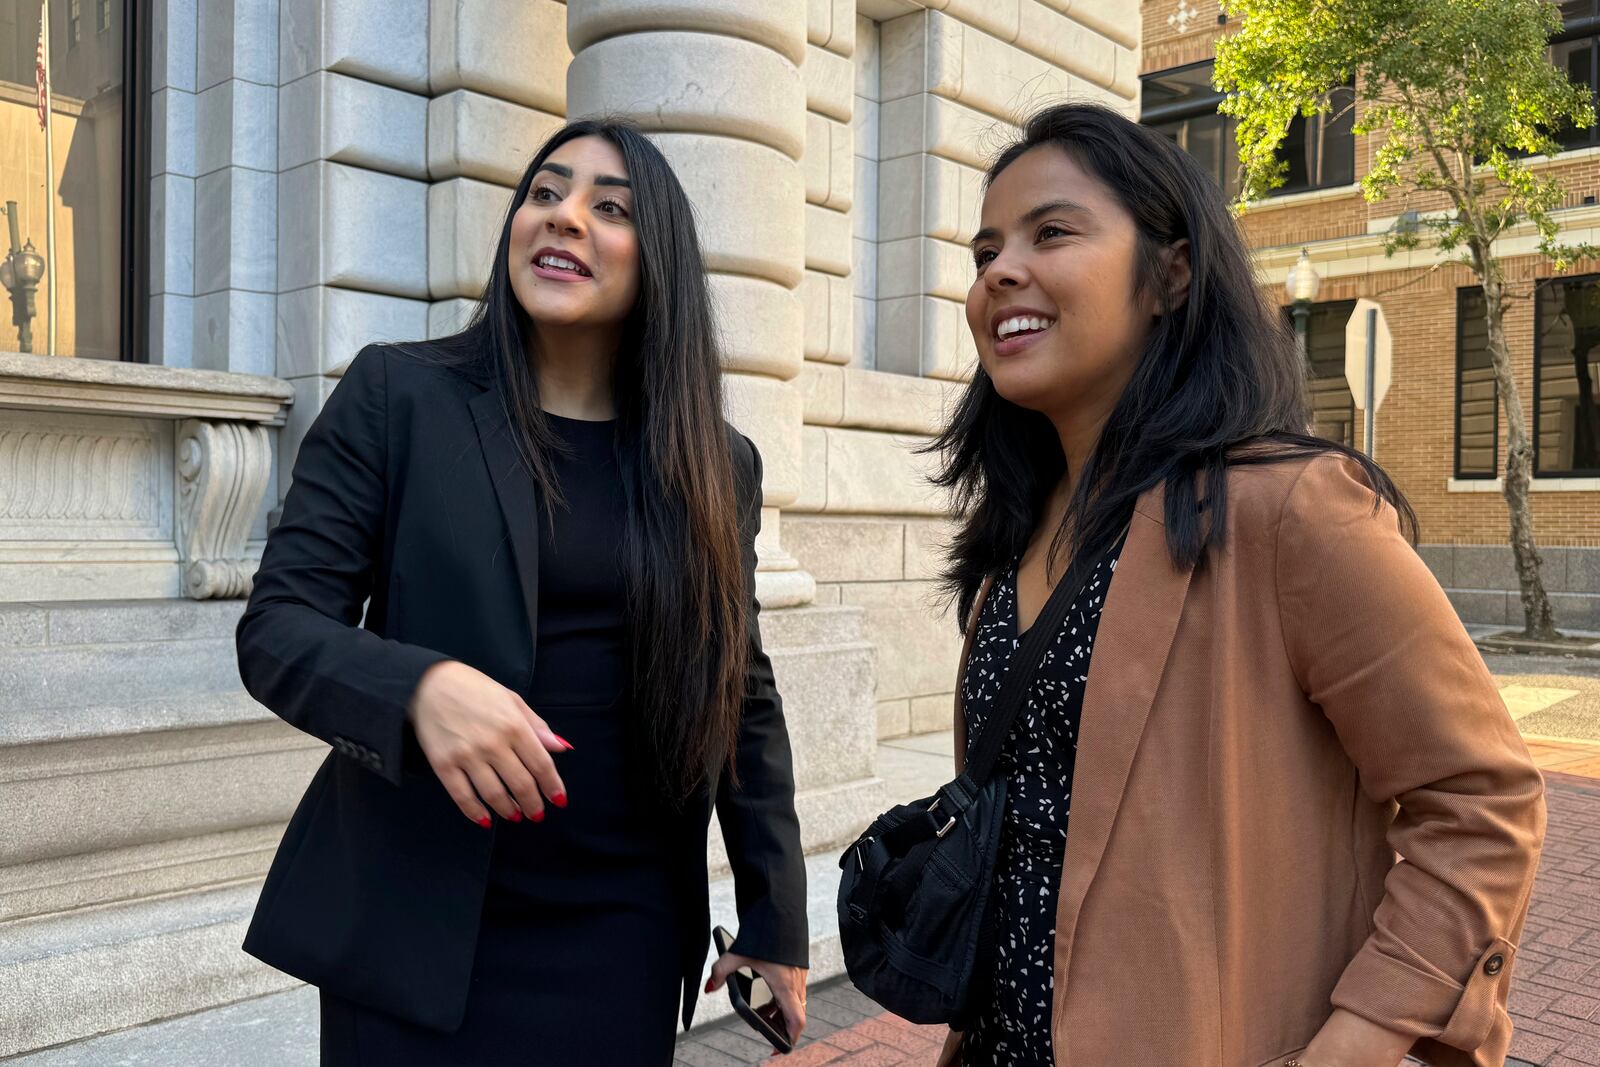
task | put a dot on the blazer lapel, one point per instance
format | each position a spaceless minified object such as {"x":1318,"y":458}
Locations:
{"x":1135,"y":635}
{"x":518,"y":497}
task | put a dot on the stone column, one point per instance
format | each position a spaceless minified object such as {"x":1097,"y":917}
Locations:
{"x":718,"y":82}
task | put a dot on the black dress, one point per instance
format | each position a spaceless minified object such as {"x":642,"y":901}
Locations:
{"x":1013,"y":1030}
{"x":577,"y":959}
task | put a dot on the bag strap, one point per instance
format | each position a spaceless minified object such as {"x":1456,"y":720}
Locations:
{"x":985,"y":752}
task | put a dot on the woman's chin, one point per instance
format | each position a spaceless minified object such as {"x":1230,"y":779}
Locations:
{"x":1020,"y":389}
{"x":558,"y":315}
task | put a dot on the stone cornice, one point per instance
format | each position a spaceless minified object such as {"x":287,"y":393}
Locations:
{"x":43,"y":383}
{"x":1363,"y":253}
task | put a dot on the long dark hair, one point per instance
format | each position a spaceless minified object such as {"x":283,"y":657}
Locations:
{"x":681,"y":553}
{"x":1219,"y":374}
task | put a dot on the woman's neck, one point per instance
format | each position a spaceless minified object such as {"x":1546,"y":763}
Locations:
{"x":573,"y":366}
{"x":1078,"y":433}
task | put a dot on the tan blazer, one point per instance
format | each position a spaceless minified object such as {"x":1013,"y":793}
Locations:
{"x":1260,"y":736}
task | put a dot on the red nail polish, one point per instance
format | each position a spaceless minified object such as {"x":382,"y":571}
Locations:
{"x":564,"y":741}
{"x":559,"y":799}
{"x":709,"y":982}
{"x":516,"y":816}
{"x":485,"y":822}
{"x":537,"y":816}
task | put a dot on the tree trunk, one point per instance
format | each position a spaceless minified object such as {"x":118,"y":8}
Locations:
{"x":1538,"y":620}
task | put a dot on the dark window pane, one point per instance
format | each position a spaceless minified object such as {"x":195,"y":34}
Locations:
{"x":1477,"y":398}
{"x":1333,"y":409}
{"x":1297,"y":151}
{"x":1206,"y":146}
{"x":1577,"y":9}
{"x":1577,"y":59}
{"x":1177,"y":87}
{"x":1339,"y":141}
{"x":1180,"y":104}
{"x":1566,"y":369}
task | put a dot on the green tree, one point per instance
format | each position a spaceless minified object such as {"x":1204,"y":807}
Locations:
{"x":1456,"y":94}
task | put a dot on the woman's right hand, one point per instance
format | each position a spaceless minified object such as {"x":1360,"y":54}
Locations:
{"x":486,"y":745}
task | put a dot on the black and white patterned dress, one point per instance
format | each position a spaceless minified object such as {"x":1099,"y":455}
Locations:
{"x":1037,"y":759}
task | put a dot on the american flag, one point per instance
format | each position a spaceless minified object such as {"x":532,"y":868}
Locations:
{"x":41,"y":76}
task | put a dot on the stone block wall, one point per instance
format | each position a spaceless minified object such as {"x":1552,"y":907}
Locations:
{"x":939,"y":88}
{"x":333,"y":173}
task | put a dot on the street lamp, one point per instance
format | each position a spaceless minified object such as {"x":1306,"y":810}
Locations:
{"x":1302,"y":285}
{"x":20,"y":272}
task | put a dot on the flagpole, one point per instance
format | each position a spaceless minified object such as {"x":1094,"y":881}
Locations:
{"x":49,"y":176}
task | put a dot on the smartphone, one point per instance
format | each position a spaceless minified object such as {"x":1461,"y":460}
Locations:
{"x":752,"y":998}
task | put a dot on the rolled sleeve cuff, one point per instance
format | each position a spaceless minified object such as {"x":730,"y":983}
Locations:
{"x":1407,"y":999}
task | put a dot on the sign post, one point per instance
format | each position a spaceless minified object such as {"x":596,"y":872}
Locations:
{"x":1368,"y":362}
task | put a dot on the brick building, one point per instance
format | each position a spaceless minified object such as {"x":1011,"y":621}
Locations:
{"x":1439,"y":432}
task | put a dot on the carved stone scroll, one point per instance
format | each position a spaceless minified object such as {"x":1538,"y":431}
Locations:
{"x":223,"y":470}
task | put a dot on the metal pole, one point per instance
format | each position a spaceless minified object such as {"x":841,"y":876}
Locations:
{"x":1372,"y":374}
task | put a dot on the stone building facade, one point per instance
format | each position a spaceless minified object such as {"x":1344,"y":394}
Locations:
{"x":318,"y":174}
{"x":1438,"y":432}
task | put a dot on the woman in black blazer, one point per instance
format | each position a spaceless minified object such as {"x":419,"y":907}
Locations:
{"x":551,"y":532}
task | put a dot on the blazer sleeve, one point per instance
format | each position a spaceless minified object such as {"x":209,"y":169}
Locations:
{"x":1374,"y":641}
{"x":302,"y":652}
{"x":758,"y":817}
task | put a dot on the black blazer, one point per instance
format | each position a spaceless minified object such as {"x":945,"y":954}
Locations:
{"x":408,"y":490}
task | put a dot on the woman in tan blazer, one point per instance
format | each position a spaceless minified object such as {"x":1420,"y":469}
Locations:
{"x":1303,"y":828}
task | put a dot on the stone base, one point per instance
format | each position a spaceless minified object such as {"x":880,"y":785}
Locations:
{"x":148,"y":792}
{"x":85,"y":973}
{"x":1481,"y":581}
{"x":280,"y":1030}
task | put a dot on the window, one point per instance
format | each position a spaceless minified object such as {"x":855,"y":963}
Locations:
{"x":74,"y":22}
{"x":1477,"y":395}
{"x":102,"y":17}
{"x":1333,"y":408}
{"x":1576,"y":50}
{"x":92,"y":273}
{"x":1566,"y":376}
{"x":1181,"y":104}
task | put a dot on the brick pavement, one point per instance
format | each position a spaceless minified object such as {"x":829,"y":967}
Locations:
{"x":1555,"y":995}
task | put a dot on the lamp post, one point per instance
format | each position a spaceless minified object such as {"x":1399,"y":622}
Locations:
{"x":1302,"y":285}
{"x":20,"y":272}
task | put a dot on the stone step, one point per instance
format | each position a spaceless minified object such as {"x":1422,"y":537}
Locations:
{"x":796,"y":628}
{"x":68,"y":977}
{"x":239,"y":1025}
{"x":71,"y":655}
{"x":113,"y":622}
{"x":119,"y":622}
{"x":79,"y":676}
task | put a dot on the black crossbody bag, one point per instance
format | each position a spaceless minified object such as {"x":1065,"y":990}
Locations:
{"x":915,"y":913}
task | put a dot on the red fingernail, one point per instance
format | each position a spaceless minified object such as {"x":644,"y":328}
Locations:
{"x":537,"y":816}
{"x":709,"y":984}
{"x":564,"y":741}
{"x":516,"y":816}
{"x":485,"y":822}
{"x":559,"y":799}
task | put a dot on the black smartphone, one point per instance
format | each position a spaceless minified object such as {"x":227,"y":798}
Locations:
{"x":753,"y":1000}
